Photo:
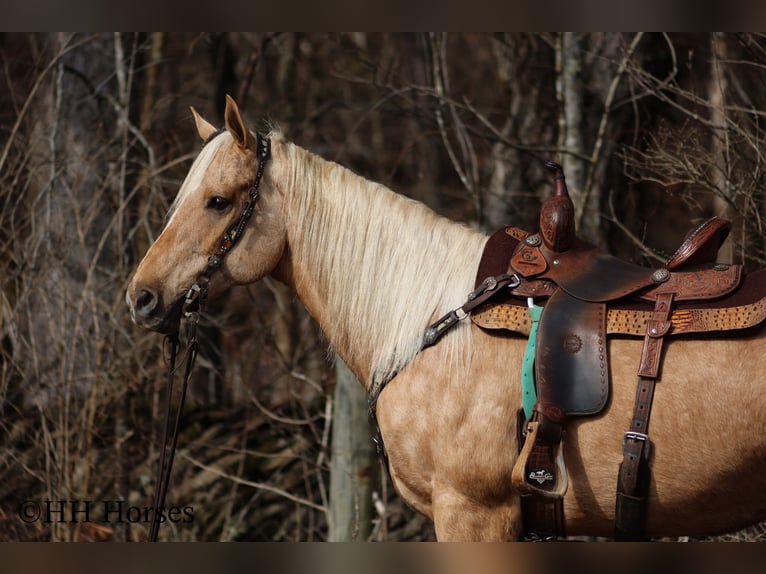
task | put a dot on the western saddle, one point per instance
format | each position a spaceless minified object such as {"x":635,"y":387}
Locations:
{"x":581,"y":295}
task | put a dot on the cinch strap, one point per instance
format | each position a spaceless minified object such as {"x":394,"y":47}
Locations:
{"x":528,"y":391}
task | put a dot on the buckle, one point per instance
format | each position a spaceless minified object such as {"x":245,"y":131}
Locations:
{"x":195,"y":300}
{"x":192,"y":293}
{"x":637,"y":437}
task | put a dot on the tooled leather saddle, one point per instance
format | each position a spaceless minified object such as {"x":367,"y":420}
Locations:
{"x":569,"y":298}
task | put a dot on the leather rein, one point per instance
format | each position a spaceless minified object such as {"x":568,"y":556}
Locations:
{"x":194,"y":304}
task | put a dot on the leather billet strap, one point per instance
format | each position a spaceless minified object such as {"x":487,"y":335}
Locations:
{"x":634,"y":474}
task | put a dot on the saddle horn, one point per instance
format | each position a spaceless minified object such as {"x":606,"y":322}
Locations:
{"x":557,"y":227}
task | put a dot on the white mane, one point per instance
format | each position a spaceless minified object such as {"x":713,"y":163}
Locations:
{"x":389,"y":266}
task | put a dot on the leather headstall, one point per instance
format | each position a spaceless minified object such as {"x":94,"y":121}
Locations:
{"x":193,"y":305}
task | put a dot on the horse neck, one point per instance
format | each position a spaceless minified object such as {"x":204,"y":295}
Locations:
{"x":372,"y":267}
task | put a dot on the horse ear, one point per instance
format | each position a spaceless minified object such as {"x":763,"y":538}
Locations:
{"x":234,"y":122}
{"x":204,"y":128}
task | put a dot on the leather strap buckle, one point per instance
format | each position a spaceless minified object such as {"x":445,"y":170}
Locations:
{"x":637,"y":437}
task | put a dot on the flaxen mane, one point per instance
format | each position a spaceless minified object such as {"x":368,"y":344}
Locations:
{"x":359,"y":238}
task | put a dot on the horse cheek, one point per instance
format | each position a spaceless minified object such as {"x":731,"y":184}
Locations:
{"x":258,"y":260}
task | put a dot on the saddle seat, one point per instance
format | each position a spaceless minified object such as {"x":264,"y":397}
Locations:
{"x":582,"y":296}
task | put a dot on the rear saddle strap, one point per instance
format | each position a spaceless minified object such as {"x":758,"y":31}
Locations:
{"x":634,"y":473}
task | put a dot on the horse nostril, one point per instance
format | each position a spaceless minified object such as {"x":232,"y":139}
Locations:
{"x":146,"y":302}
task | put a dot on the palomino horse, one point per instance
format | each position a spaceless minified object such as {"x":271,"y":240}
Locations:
{"x":374,"y":269}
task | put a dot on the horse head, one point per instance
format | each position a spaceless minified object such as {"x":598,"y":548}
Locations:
{"x":209,"y":205}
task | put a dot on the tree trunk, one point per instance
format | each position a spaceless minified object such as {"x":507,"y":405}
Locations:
{"x":719,"y":145}
{"x":353,"y":461}
{"x":570,"y":93}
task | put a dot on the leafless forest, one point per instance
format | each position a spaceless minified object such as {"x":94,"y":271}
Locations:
{"x":656,"y":133}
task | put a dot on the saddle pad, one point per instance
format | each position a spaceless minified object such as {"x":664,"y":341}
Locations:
{"x":744,"y":308}
{"x":632,"y":322}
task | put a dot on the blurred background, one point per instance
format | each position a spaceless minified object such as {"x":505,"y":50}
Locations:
{"x":656,"y":132}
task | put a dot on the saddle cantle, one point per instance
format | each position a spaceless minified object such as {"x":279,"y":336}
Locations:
{"x":586,"y":295}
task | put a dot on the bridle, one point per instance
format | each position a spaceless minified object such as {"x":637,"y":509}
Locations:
{"x":233,"y":233}
{"x":194,"y":304}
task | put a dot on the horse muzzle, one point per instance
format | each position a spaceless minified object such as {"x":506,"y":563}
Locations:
{"x":148,"y":310}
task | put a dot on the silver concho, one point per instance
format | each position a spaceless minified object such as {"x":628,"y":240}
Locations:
{"x":533,"y":240}
{"x":661,"y":275}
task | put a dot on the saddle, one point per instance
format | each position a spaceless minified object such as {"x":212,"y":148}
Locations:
{"x":569,"y":298}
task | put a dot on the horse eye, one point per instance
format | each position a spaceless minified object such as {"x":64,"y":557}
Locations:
{"x":218,"y":203}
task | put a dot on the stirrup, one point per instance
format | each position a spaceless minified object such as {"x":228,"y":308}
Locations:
{"x":523,"y":478}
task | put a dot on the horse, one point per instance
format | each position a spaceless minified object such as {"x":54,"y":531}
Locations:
{"x":374,"y":268}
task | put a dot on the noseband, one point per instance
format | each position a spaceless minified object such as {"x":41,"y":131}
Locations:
{"x":194,"y":304}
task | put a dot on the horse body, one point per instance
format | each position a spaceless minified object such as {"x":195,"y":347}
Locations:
{"x":451,"y":441}
{"x":375,"y":268}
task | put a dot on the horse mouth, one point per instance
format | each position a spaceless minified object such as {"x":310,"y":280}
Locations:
{"x":170,"y":323}
{"x":167,"y":323}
